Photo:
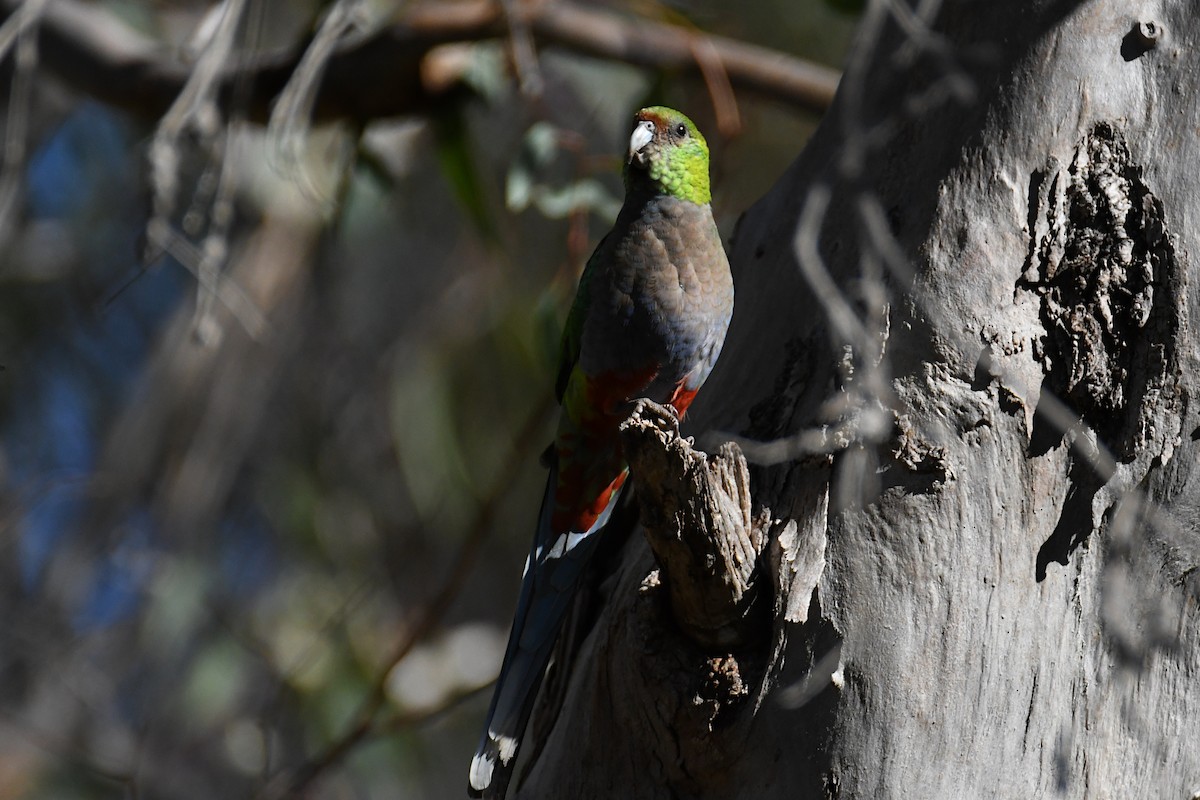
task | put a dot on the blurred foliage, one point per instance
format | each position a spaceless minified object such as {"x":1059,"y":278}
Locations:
{"x":215,"y":545}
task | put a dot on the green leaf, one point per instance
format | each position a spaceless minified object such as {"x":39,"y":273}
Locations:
{"x":458,"y":166}
{"x":541,"y":142}
{"x":487,"y":71}
{"x":585,"y":194}
{"x":540,"y":148}
{"x":518,"y":191}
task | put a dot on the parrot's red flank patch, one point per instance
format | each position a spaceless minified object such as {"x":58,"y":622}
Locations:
{"x":682,"y":398}
{"x":572,"y":512}
{"x":591,"y":466}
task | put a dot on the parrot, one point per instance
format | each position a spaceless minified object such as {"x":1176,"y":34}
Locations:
{"x":648,"y":321}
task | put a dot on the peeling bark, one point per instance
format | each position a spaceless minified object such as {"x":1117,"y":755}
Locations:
{"x":696,"y":516}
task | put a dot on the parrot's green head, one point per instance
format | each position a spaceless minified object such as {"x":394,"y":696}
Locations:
{"x":668,"y":155}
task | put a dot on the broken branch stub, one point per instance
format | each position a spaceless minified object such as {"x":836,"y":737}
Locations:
{"x":697,"y":517}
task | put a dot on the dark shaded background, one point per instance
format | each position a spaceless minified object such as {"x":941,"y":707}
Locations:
{"x":224,"y":519}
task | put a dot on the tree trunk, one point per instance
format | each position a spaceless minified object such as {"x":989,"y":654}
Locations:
{"x":962,"y":332}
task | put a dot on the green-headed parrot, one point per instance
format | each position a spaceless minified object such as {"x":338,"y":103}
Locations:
{"x":648,"y":320}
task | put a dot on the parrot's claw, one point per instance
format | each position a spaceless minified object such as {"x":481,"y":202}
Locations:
{"x":663,"y":417}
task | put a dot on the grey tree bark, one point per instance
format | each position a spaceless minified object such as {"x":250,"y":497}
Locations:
{"x":963,"y":345}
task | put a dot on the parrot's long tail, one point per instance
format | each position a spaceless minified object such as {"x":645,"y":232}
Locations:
{"x":552,"y":574}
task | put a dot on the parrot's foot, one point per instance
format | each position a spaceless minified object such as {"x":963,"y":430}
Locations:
{"x":664,"y":417}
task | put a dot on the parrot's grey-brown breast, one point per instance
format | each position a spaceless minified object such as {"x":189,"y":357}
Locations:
{"x":663,"y":296}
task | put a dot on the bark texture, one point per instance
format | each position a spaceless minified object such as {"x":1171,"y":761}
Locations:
{"x":696,"y":515}
{"x":978,"y":380}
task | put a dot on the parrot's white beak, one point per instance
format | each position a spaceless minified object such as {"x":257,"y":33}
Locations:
{"x":643,"y":134}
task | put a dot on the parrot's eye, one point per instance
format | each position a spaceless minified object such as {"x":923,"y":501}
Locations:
{"x":681,"y":130}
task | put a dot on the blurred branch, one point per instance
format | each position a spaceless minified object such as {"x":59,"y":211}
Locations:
{"x":289,"y":122}
{"x":366,"y":722}
{"x":192,"y":109}
{"x":716,"y":79}
{"x":411,"y":719}
{"x":18,"y":30}
{"x":380,"y":74}
{"x":73,"y":753}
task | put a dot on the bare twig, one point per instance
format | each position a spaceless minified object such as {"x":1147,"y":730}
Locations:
{"x":194,"y":108}
{"x":23,"y":19}
{"x":231,"y":294}
{"x":20,"y":28}
{"x":524,"y":56}
{"x":290,"y":119}
{"x":842,"y":317}
{"x":660,"y":46}
{"x":379,"y":75}
{"x":716,"y":79}
{"x":411,"y":719}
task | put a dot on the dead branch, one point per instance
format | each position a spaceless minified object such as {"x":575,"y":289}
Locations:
{"x":696,"y":513}
{"x":379,"y":75}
